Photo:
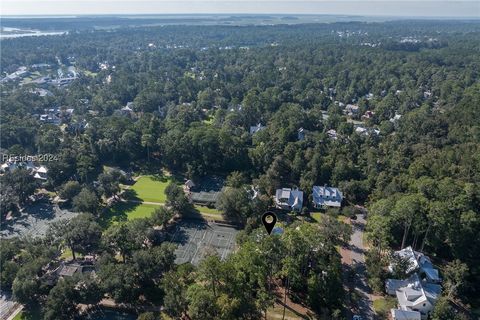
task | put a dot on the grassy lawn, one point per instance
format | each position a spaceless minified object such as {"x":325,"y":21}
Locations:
{"x":67,"y":254}
{"x":124,"y":211}
{"x":89,"y":73}
{"x":382,"y":306}
{"x":317,"y":216}
{"x":208,"y":210}
{"x":149,"y":188}
{"x":277,"y":312}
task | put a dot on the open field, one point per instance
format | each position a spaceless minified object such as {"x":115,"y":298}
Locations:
{"x":149,"y":188}
{"x":124,"y":211}
{"x":203,"y":209}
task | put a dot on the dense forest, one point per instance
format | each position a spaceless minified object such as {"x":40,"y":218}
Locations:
{"x":196,"y":91}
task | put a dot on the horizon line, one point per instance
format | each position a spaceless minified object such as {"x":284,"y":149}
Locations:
{"x":240,"y":13}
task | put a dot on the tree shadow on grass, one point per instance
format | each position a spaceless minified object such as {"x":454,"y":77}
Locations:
{"x":130,"y":194}
{"x":174,"y":177}
{"x":193,"y":214}
{"x":117,"y":213}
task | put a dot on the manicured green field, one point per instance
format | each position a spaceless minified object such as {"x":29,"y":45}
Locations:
{"x":149,"y":188}
{"x":124,"y":211}
{"x":203,"y":209}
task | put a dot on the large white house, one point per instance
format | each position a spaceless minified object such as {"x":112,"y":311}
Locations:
{"x":38,"y":172}
{"x":418,"y":294}
{"x":418,"y":262}
{"x":398,"y":314}
{"x":289,"y":199}
{"x":326,"y":197}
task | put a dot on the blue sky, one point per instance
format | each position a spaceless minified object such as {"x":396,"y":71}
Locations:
{"x":419,"y":8}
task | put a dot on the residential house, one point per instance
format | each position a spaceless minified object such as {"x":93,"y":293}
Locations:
{"x":395,"y":118}
{"x":332,"y":134}
{"x":398,"y":314}
{"x":418,"y":262}
{"x":351,"y":110}
{"x":326,"y":197}
{"x":127,"y":110}
{"x":188,"y":185}
{"x":368,"y":115}
{"x":38,"y":172}
{"x":77,"y":127}
{"x":72,"y":268}
{"x":289,"y":199}
{"x":418,"y":296}
{"x":51,"y":116}
{"x":301,"y":133}
{"x":257,"y":128}
{"x":366,"y":131}
{"x":41,"y":92}
{"x":37,"y":66}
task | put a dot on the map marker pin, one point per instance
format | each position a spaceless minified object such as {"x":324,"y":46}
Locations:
{"x":269,"y":220}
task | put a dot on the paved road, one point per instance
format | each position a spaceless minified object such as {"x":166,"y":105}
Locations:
{"x":354,"y":257}
{"x":365,"y":303}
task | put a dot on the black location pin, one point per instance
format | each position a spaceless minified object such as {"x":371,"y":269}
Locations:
{"x":269,"y":219}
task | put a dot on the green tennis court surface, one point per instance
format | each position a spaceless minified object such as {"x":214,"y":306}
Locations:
{"x":196,"y":238}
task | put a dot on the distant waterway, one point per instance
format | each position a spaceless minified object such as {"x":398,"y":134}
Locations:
{"x":9,"y":33}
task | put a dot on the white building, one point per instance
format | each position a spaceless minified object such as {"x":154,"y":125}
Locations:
{"x":418,"y":296}
{"x":257,"y":128}
{"x":288,"y":199}
{"x":326,"y":197}
{"x":398,"y":314}
{"x":418,"y":262}
{"x":332,"y":134}
{"x":38,"y":172}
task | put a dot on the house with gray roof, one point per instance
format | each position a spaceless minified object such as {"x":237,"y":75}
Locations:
{"x":418,"y":296}
{"x":289,"y":199}
{"x":325,"y":196}
{"x":398,"y":314}
{"x":418,"y":262}
{"x":257,"y":128}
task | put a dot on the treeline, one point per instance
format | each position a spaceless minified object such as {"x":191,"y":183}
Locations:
{"x":193,"y":109}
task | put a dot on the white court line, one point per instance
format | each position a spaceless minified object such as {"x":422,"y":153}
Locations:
{"x":227,"y":246}
{"x":198,"y":246}
{"x":190,"y":242}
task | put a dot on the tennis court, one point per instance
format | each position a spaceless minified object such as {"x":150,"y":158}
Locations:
{"x":34,"y":220}
{"x":196,"y":238}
